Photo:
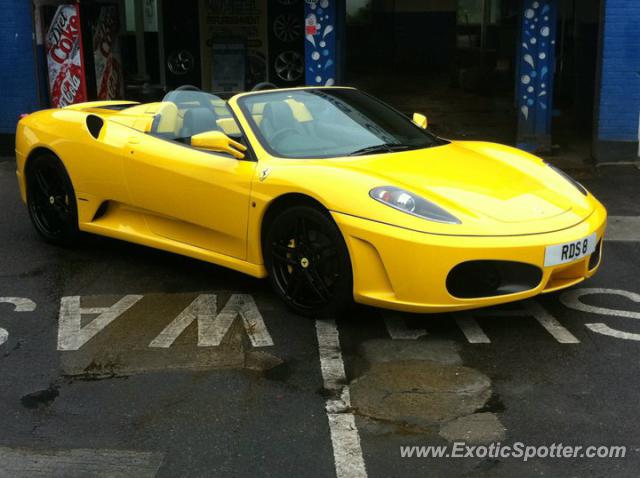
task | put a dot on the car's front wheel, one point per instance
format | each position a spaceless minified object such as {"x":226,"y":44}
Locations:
{"x":308,"y":262}
{"x":51,"y":200}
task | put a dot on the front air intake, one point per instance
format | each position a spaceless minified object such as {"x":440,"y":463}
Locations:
{"x":477,"y":279}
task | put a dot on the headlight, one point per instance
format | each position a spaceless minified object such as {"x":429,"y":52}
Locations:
{"x":411,"y":204}
{"x":577,"y":185}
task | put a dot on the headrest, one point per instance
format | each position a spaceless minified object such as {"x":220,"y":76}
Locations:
{"x":199,"y":120}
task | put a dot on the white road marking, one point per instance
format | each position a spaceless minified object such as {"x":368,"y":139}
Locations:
{"x":212,"y":327}
{"x":550,"y":323}
{"x":604,"y":329}
{"x":623,"y":228}
{"x":398,"y":330}
{"x":203,"y":309}
{"x":475,"y":335}
{"x":71,"y":334}
{"x":30,"y":463}
{"x":572,"y":300}
{"x":471,"y":329}
{"x":20,"y":304}
{"x":347,"y":451}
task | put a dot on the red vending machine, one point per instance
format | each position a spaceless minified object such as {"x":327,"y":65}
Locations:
{"x":106,"y":53}
{"x":65,"y":59}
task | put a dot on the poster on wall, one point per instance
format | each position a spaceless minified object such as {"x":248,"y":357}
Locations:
{"x":228,"y":64}
{"x":67,"y":84}
{"x":106,"y":54}
{"x":240,"y":19}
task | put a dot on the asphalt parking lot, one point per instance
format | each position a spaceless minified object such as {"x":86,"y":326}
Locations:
{"x":120,"y":360}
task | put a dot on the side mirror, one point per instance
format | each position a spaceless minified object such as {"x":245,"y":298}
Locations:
{"x":420,"y":120}
{"x":218,"y":141}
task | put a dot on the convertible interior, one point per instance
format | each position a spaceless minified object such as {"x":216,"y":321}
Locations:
{"x":291,"y":124}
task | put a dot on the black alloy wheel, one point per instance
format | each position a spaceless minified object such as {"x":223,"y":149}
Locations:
{"x":51,"y":200}
{"x":308,"y":263}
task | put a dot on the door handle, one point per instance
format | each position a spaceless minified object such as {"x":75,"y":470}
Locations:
{"x":133,"y":140}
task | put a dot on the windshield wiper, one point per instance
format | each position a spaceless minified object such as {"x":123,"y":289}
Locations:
{"x":380,"y":148}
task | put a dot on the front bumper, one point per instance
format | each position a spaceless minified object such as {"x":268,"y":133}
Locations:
{"x":406,"y":270}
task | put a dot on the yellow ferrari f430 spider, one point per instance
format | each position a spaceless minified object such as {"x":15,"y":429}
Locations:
{"x":328,"y":192}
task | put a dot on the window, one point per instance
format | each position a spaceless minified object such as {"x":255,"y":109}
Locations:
{"x":331,"y":122}
{"x":183,"y":114}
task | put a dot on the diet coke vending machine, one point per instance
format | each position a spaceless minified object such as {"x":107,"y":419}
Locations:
{"x":106,"y":54}
{"x":65,"y":63}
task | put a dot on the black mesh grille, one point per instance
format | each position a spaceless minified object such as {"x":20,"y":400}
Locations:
{"x":476,"y":279}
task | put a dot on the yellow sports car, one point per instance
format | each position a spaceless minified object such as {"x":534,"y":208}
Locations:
{"x":328,"y":192}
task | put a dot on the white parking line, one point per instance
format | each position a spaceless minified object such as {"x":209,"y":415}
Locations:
{"x":347,"y":451}
{"x":549,"y":322}
{"x":29,"y":463}
{"x":475,"y":334}
{"x":398,"y":330}
{"x":4,"y":335}
{"x":471,"y":329}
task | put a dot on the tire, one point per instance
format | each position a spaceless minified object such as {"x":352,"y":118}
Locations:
{"x":51,"y":200}
{"x":308,"y":263}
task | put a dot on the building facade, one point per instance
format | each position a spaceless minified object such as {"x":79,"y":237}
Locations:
{"x":617,"y":126}
{"x":568,"y":69}
{"x":18,"y":81}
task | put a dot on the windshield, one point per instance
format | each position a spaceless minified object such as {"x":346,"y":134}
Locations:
{"x":324,"y":123}
{"x":185,"y":113}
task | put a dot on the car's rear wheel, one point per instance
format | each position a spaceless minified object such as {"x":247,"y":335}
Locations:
{"x":308,"y":262}
{"x":51,"y":200}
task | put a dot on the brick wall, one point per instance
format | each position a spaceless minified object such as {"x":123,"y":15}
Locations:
{"x":18,"y":92}
{"x":619,"y":104}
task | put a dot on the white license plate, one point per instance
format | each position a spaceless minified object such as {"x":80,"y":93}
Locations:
{"x":570,"y":251}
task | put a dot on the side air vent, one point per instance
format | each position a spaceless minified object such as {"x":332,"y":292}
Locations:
{"x":101,"y":211}
{"x":94,"y":125}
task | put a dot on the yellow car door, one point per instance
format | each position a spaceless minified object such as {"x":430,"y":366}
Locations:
{"x":188,"y":195}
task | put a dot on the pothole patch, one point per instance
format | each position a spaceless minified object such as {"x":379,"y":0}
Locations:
{"x":422,"y":386}
{"x":475,"y":429}
{"x":419,"y":392}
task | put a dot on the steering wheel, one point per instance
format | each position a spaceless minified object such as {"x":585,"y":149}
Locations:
{"x":280,"y":135}
{"x":264,"y":85}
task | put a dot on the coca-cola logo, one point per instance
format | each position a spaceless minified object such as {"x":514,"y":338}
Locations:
{"x":69,"y":88}
{"x":62,"y":36}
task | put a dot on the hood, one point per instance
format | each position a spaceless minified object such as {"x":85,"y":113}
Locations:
{"x":493,"y":189}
